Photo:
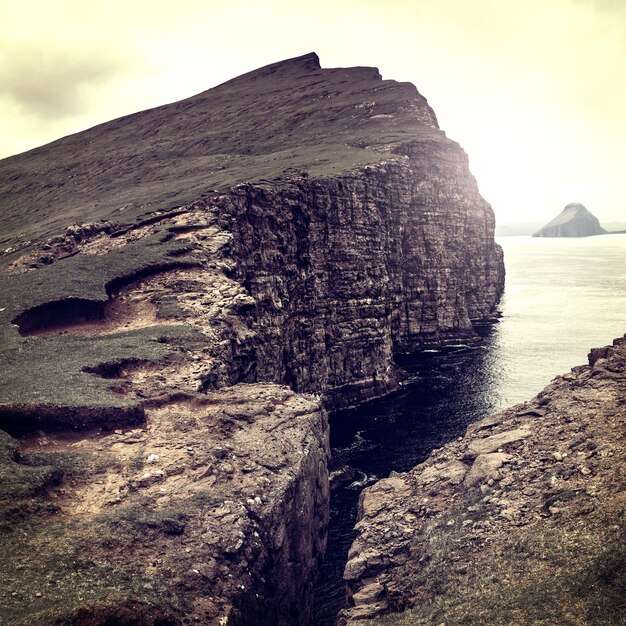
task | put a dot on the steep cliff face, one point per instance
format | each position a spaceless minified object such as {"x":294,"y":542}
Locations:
{"x":354,"y":268}
{"x":519,"y":522}
{"x":361,"y":232}
{"x":295,"y":226}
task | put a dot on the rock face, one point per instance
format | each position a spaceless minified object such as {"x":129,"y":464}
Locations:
{"x":522,"y":521}
{"x":575,"y":220}
{"x":184,"y":291}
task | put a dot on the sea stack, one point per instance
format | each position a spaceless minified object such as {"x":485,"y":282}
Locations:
{"x":575,"y":220}
{"x":185,"y":292}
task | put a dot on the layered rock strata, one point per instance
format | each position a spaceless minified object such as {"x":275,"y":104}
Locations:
{"x":522,"y":521}
{"x":184,"y":291}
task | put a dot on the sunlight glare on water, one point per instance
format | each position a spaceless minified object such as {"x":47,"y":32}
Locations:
{"x":562,"y":297}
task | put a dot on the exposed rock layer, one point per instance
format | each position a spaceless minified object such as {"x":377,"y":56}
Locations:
{"x":294,"y":226}
{"x":213,"y":509}
{"x":522,"y":521}
{"x":575,"y":220}
{"x":351,"y":269}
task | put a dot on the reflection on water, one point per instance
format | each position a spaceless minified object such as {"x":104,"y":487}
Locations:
{"x":395,"y":433}
{"x":563,"y":296}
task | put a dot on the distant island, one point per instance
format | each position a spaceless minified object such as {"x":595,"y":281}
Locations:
{"x":574,"y":221}
{"x":517,"y":229}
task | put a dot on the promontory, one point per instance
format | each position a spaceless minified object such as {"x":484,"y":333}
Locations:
{"x":521,"y":521}
{"x":185,"y":292}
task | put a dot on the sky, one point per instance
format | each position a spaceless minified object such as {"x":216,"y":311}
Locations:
{"x":534,"y":90}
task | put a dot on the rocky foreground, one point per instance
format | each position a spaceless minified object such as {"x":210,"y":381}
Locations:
{"x":184,"y":292}
{"x":521,"y":521}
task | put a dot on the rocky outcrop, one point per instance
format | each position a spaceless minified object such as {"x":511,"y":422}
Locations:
{"x":356,"y":268}
{"x":184,"y":292}
{"x":575,"y":220}
{"x":519,"y":522}
{"x":212,"y":511}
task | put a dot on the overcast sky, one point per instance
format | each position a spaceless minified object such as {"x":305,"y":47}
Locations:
{"x":534,"y":90}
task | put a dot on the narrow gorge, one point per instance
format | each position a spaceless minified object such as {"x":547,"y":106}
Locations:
{"x":186,"y":292}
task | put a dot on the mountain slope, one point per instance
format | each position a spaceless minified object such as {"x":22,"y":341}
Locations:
{"x":185,"y":291}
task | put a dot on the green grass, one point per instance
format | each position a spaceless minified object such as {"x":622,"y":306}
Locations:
{"x":55,"y":560}
{"x":86,"y":277}
{"x":50,"y":379}
{"x":250,"y":129}
{"x":66,"y":561}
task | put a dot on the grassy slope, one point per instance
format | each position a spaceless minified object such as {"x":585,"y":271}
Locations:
{"x":39,"y":375}
{"x":288,"y":116}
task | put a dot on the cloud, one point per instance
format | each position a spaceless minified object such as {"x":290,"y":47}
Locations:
{"x":533,"y":91}
{"x":52,"y":83}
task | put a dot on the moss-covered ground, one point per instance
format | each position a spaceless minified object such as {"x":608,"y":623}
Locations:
{"x":54,"y":567}
{"x":53,"y":379}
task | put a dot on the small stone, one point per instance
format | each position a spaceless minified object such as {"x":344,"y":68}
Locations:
{"x":495,"y":442}
{"x":585,"y":471}
{"x":152,"y":458}
{"x":369,"y":593}
{"x":452,"y":472}
{"x":485,"y":468}
{"x":355,"y":568}
{"x":38,"y":595}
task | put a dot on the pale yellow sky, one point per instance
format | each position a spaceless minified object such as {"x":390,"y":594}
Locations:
{"x":534,"y":90}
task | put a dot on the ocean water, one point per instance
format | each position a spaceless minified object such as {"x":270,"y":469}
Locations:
{"x":562,"y":297}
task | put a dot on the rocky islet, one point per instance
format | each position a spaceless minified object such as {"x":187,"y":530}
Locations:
{"x":575,"y":220}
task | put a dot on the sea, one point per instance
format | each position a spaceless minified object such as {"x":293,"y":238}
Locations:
{"x":562,"y":297}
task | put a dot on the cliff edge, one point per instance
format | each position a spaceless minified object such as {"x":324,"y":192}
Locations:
{"x":575,"y":220}
{"x":185,"y":290}
{"x":522,"y":521}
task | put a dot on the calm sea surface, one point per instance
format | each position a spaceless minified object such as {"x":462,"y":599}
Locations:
{"x":562,"y":297}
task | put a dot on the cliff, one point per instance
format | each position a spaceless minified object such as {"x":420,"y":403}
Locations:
{"x":184,"y":291}
{"x":519,"y":522}
{"x":575,"y":220}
